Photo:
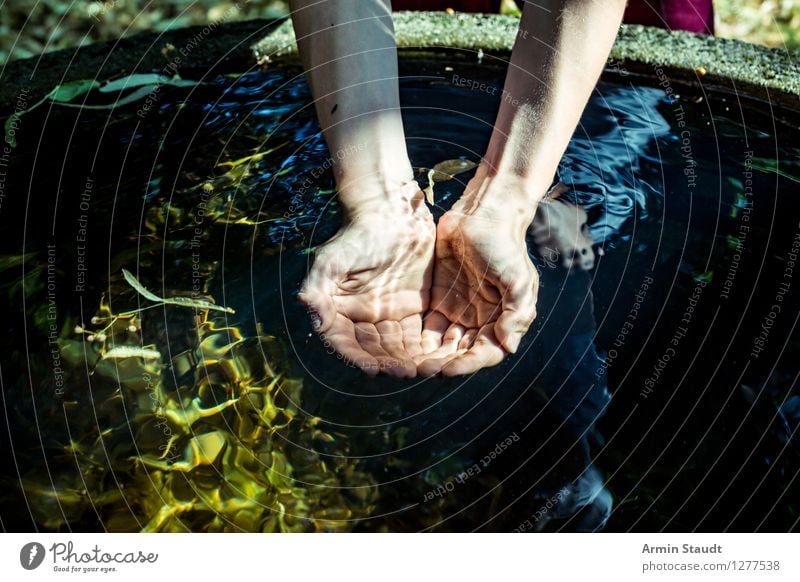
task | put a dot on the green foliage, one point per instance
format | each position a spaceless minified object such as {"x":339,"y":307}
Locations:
{"x":774,"y":23}
{"x":212,"y":440}
{"x":31,"y":27}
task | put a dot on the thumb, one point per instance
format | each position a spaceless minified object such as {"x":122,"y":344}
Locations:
{"x":519,"y":311}
{"x":315,"y":294}
{"x":511,"y":326}
{"x":321,"y":308}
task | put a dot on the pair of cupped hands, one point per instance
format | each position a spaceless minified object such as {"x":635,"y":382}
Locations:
{"x":395,"y":293}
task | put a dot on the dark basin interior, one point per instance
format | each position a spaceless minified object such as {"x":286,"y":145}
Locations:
{"x":657,"y":391}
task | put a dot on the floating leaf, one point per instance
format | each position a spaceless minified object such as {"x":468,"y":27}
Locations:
{"x":68,"y":91}
{"x":444,"y":171}
{"x":150,"y":80}
{"x":197,"y":303}
{"x":203,"y":449}
{"x":145,"y":84}
{"x":60,"y":94}
{"x":251,"y":158}
{"x":134,"y":282}
{"x":181,"y":301}
{"x":132,"y":352}
{"x":448,"y":169}
{"x":140,"y":93}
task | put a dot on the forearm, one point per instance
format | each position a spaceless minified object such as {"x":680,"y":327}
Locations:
{"x":350,"y":57}
{"x":559,"y":54}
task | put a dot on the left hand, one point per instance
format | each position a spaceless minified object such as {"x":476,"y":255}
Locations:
{"x":484,"y":290}
{"x":370,"y":283}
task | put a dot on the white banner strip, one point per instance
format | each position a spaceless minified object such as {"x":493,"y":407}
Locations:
{"x":407,"y":557}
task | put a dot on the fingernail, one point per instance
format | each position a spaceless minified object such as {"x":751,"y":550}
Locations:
{"x":513,"y":343}
{"x":316,"y":320}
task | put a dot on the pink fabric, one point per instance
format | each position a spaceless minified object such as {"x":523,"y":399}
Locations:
{"x":692,"y":15}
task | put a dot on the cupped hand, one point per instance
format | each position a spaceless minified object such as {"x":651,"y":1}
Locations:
{"x":483,"y":297}
{"x":370,"y":284}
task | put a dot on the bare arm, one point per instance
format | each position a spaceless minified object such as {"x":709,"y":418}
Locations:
{"x":350,"y":57}
{"x":561,"y":48}
{"x":484,"y":284}
{"x":370,"y":283}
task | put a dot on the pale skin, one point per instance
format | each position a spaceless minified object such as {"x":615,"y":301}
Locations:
{"x":393,"y":292}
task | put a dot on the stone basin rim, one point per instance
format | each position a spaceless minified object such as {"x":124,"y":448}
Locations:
{"x":712,"y":63}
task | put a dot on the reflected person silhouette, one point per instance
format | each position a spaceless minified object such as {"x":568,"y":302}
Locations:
{"x":547,"y":399}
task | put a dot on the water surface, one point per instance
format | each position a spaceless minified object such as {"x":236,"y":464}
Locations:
{"x":656,"y":391}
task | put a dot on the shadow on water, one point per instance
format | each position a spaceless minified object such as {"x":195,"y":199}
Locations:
{"x":656,"y":391}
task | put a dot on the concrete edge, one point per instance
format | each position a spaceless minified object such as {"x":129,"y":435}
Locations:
{"x":729,"y":65}
{"x":494,"y":34}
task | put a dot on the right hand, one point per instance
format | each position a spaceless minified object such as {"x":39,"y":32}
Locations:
{"x":485,"y":286}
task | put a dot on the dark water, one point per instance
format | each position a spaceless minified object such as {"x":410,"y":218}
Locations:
{"x":657,"y":391}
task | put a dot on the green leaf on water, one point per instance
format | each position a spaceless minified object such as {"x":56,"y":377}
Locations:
{"x":144,"y":84}
{"x":180,"y":301}
{"x":197,"y":303}
{"x":444,"y":171}
{"x":131,"y":82}
{"x":448,"y":169}
{"x":146,"y":80}
{"x":60,"y":94}
{"x":139,"y":93}
{"x":68,"y":91}
{"x":134,"y":282}
{"x":120,"y":352}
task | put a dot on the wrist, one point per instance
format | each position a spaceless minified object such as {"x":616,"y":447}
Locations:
{"x":501,"y":197}
{"x":378,"y":195}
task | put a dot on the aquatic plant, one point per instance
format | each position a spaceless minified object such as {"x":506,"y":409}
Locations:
{"x":211,"y":439}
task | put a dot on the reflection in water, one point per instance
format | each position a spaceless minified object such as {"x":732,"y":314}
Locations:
{"x":533,"y":444}
{"x":603,"y":160}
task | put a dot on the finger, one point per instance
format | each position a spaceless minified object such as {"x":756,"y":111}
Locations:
{"x":342,"y":337}
{"x":449,"y":343}
{"x":484,"y":353}
{"x":468,"y":339}
{"x":391,"y":338}
{"x":412,"y":334}
{"x":433,"y":328}
{"x":519,"y":311}
{"x":370,"y":340}
{"x":453,"y":335}
{"x":431,"y":364}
